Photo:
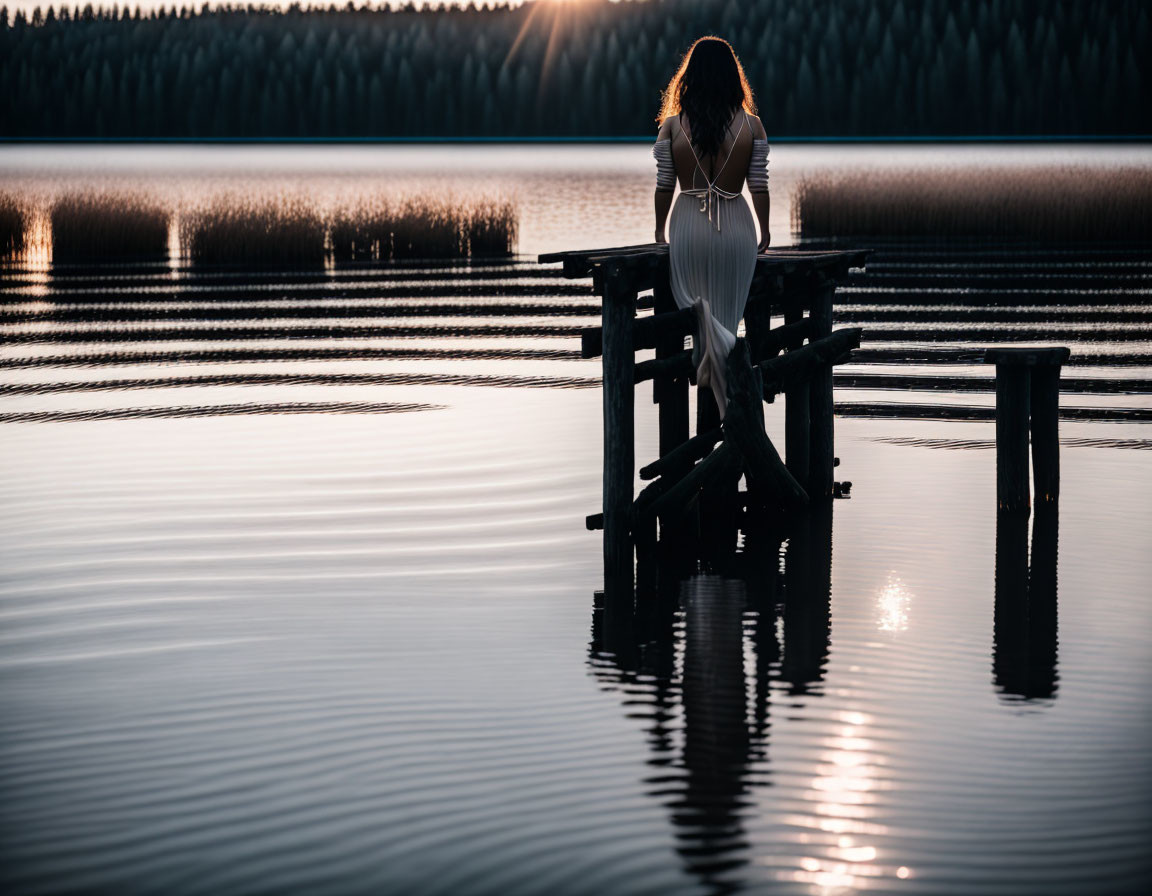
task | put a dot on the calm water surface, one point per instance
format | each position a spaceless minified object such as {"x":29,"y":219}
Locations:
{"x":296,"y":596}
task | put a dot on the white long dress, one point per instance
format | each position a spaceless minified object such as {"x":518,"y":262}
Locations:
{"x":712,"y":257}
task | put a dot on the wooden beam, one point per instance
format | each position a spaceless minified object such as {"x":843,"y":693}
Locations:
{"x":646,"y":331}
{"x":786,"y":338}
{"x":674,"y":367}
{"x":683,"y":455}
{"x":774,"y":262}
{"x":803,"y":363}
{"x":744,"y":431}
{"x":713,"y":468}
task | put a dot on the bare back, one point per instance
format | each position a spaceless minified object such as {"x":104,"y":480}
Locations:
{"x":728,"y":166}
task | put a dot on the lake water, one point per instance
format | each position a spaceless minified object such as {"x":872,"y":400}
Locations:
{"x":296,"y":595}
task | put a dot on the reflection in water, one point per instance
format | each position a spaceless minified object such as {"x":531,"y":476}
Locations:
{"x":892,"y":605}
{"x":708,"y":728}
{"x":807,"y":602}
{"x":1024,"y":653}
{"x":716,"y":735}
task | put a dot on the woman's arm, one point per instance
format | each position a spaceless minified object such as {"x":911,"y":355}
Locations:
{"x":664,"y":192}
{"x":663,"y":204}
{"x":761,"y":203}
{"x":758,"y":182}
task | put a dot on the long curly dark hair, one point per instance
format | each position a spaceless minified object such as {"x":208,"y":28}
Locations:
{"x":710,"y":86}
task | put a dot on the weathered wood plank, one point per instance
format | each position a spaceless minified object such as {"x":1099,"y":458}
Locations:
{"x":803,"y":363}
{"x":646,"y":331}
{"x":579,"y":263}
{"x":619,"y":439}
{"x":786,"y":338}
{"x":714,"y":468}
{"x":1054,"y":356}
{"x":674,"y":367}
{"x":683,"y":455}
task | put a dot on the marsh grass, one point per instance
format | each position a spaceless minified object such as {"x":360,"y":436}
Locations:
{"x":285,"y":230}
{"x":107,"y":226}
{"x":282,"y":230}
{"x":491,"y":229}
{"x":384,"y":230}
{"x":13,"y":225}
{"x":1036,"y":203}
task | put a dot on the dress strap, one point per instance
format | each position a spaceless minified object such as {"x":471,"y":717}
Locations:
{"x":711,"y":194}
{"x":735,"y":137}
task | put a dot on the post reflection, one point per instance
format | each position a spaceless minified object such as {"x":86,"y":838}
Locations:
{"x":807,"y":602}
{"x":700,"y":671}
{"x":1024,"y":650}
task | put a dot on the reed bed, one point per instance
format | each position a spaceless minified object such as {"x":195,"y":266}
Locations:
{"x":281,"y":230}
{"x":387,"y":230}
{"x":107,"y":225}
{"x":13,"y":226}
{"x":1036,"y":203}
{"x":492,"y":229}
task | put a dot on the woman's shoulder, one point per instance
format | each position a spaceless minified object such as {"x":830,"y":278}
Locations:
{"x":758,"y":132}
{"x":665,"y":132}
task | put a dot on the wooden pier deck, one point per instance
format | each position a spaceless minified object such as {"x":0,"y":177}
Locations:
{"x":702,"y":469}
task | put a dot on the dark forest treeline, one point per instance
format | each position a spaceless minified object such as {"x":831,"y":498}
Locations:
{"x":826,"y":67}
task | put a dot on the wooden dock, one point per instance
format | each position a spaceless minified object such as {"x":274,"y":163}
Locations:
{"x":700,"y":466}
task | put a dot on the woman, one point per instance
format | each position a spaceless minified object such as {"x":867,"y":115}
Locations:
{"x":711,"y":141}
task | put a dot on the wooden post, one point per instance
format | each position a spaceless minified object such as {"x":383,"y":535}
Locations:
{"x":1045,"y":408}
{"x":1027,"y":392}
{"x":822,"y":454}
{"x":1012,"y":494}
{"x":797,"y":432}
{"x":670,"y":395}
{"x":757,"y":325}
{"x":617,"y":313}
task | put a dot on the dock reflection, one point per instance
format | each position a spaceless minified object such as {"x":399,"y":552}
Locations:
{"x":700,"y":667}
{"x":1024,"y":649}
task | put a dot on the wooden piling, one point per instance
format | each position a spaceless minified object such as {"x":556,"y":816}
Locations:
{"x":670,"y":394}
{"x":1027,"y":398}
{"x":1045,"y":409}
{"x":797,"y":431}
{"x":1012,"y":494}
{"x":822,"y":451}
{"x":618,"y":311}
